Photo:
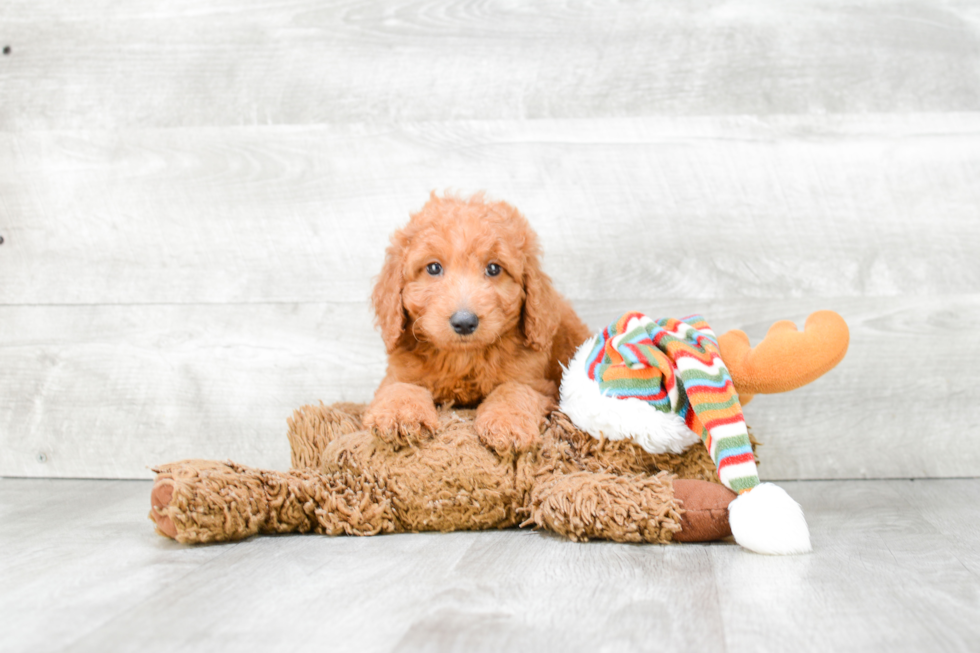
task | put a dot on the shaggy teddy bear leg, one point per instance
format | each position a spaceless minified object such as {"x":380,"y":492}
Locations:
{"x":204,"y":501}
{"x":586,"y":505}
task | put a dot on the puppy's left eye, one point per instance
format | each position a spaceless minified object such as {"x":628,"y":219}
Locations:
{"x":493,"y":270}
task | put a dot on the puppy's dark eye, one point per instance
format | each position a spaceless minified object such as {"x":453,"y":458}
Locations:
{"x":434,"y":269}
{"x":493,"y":270}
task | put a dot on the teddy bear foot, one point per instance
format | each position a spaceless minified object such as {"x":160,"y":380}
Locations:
{"x":705,"y":516}
{"x":160,"y":496}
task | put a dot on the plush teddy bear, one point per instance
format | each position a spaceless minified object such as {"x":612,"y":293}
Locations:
{"x":345,"y":480}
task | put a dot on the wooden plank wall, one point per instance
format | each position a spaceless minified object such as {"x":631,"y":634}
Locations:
{"x":194,"y":197}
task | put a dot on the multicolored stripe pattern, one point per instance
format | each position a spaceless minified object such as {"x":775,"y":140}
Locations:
{"x":675,"y":366}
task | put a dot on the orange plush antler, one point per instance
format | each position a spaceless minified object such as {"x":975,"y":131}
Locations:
{"x":786,"y":358}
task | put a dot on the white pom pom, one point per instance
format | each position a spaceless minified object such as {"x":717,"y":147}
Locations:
{"x":767,"y":520}
{"x":604,"y":416}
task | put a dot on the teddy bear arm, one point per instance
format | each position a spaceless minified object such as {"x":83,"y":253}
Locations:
{"x":197,"y":501}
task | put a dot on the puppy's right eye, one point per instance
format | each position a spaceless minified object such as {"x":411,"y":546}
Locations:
{"x":434,"y":269}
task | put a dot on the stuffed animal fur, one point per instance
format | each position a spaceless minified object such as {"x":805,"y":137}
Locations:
{"x":346,"y":480}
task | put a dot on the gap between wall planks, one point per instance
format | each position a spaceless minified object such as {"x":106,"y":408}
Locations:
{"x":105,"y":391}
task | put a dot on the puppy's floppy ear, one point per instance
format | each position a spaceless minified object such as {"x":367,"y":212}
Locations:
{"x":542,"y":305}
{"x":387,"y":294}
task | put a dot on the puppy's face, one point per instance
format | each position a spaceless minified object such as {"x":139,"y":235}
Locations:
{"x":461,"y":275}
{"x":463,"y":283}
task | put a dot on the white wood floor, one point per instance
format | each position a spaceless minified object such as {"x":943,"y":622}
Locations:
{"x":894,"y":567}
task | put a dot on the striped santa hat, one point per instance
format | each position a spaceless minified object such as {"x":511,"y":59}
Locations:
{"x":663,"y":384}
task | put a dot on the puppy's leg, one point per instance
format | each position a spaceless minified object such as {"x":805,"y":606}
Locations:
{"x":511,"y":417}
{"x":401,"y":413}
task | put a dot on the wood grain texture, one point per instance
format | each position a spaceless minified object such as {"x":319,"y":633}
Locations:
{"x":707,"y":208}
{"x":195,"y":196}
{"x":898,"y":582}
{"x":894,"y":567}
{"x":116,"y":64}
{"x":106,"y":391}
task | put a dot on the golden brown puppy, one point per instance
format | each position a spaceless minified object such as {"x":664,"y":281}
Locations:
{"x":468,"y":318}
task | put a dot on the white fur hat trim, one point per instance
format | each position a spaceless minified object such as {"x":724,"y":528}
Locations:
{"x":600,"y":415}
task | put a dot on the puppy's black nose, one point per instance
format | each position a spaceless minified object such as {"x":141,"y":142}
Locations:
{"x":464,"y":323}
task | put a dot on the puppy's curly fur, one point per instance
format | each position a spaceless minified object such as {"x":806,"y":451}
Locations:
{"x":469,"y":257}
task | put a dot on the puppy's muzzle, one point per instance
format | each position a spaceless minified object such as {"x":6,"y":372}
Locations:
{"x":464,"y":323}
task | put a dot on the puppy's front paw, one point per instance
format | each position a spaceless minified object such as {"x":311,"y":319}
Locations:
{"x":506,"y":432}
{"x":402,"y":414}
